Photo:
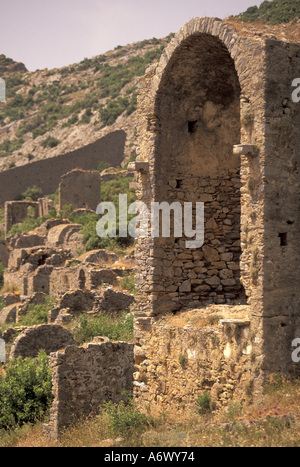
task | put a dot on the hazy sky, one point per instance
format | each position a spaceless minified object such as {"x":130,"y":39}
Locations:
{"x":57,"y":33}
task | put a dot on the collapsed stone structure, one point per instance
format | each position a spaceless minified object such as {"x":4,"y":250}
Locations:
{"x":17,"y":211}
{"x":218,"y":125}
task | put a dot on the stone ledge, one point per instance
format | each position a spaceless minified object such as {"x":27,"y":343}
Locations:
{"x":244,"y":150}
{"x":236,"y":322}
{"x":138,"y":166}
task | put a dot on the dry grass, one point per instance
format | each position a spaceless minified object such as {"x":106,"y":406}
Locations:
{"x":273,"y":421}
{"x":289,"y":31}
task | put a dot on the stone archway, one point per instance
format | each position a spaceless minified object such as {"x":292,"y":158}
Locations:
{"x":216,"y":87}
{"x":198,"y":117}
{"x":191,"y":118}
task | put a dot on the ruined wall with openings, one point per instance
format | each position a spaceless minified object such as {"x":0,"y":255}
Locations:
{"x":17,"y":211}
{"x":214,"y":130}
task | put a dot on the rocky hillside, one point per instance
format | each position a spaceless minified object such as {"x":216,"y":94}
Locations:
{"x":273,"y":12}
{"x":50,"y":112}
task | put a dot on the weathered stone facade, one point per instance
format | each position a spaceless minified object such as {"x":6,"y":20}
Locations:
{"x":218,"y":125}
{"x":17,"y":211}
{"x":47,"y":337}
{"x":80,"y":188}
{"x":85,"y":378}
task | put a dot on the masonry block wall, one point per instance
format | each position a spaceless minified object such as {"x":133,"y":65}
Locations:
{"x":85,"y":378}
{"x":81,"y":189}
{"x":17,"y":211}
{"x":214,"y":95}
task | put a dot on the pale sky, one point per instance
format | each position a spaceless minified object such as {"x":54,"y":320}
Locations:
{"x":52,"y":34}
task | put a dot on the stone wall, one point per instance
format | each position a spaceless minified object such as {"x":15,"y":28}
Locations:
{"x":47,"y":337}
{"x":196,"y":352}
{"x":81,"y":189}
{"x":17,"y":211}
{"x":85,"y":378}
{"x":46,"y":173}
{"x":217,"y":125}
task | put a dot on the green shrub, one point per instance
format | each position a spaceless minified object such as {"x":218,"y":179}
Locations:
{"x":25,"y":391}
{"x":2,"y":269}
{"x":72,"y":120}
{"x":31,"y":223}
{"x":32,"y":193}
{"x":37,"y":314}
{"x":204,"y":403}
{"x":116,"y":328}
{"x":50,"y":142}
{"x":127,"y":282}
{"x":274,"y":12}
{"x":125,"y":418}
{"x":102,"y":165}
{"x":113,"y":109}
{"x":109,"y":192}
{"x":9,"y":146}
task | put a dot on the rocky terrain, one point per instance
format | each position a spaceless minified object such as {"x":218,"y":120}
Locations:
{"x":50,"y":112}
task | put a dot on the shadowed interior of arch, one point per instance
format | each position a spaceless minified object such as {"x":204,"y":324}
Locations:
{"x":198,"y":106}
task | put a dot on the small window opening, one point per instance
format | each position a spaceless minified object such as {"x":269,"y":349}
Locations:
{"x":283,"y":239}
{"x":192,"y":126}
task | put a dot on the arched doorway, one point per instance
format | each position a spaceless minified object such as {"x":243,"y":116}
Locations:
{"x":197,"y":111}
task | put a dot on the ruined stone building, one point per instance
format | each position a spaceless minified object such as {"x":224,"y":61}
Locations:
{"x":218,"y":125}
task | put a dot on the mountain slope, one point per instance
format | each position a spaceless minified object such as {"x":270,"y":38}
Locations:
{"x":273,"y":12}
{"x":52,"y":112}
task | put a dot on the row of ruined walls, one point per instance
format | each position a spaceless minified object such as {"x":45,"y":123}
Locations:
{"x":47,"y":173}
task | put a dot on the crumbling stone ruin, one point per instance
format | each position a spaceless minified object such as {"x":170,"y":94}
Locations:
{"x":17,"y":211}
{"x":218,"y":125}
{"x":87,"y":196}
{"x":47,"y":262}
{"x":85,"y":378}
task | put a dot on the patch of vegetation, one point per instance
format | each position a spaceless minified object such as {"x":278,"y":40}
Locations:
{"x":125,"y":418}
{"x":274,"y":12}
{"x":115,"y":107}
{"x":25,"y":391}
{"x":114,"y":327}
{"x":2,"y":269}
{"x":50,"y":142}
{"x":31,"y":223}
{"x":204,"y":403}
{"x":109,"y":192}
{"x":9,"y":146}
{"x":32,"y":193}
{"x":127,"y":283}
{"x":37,"y":314}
